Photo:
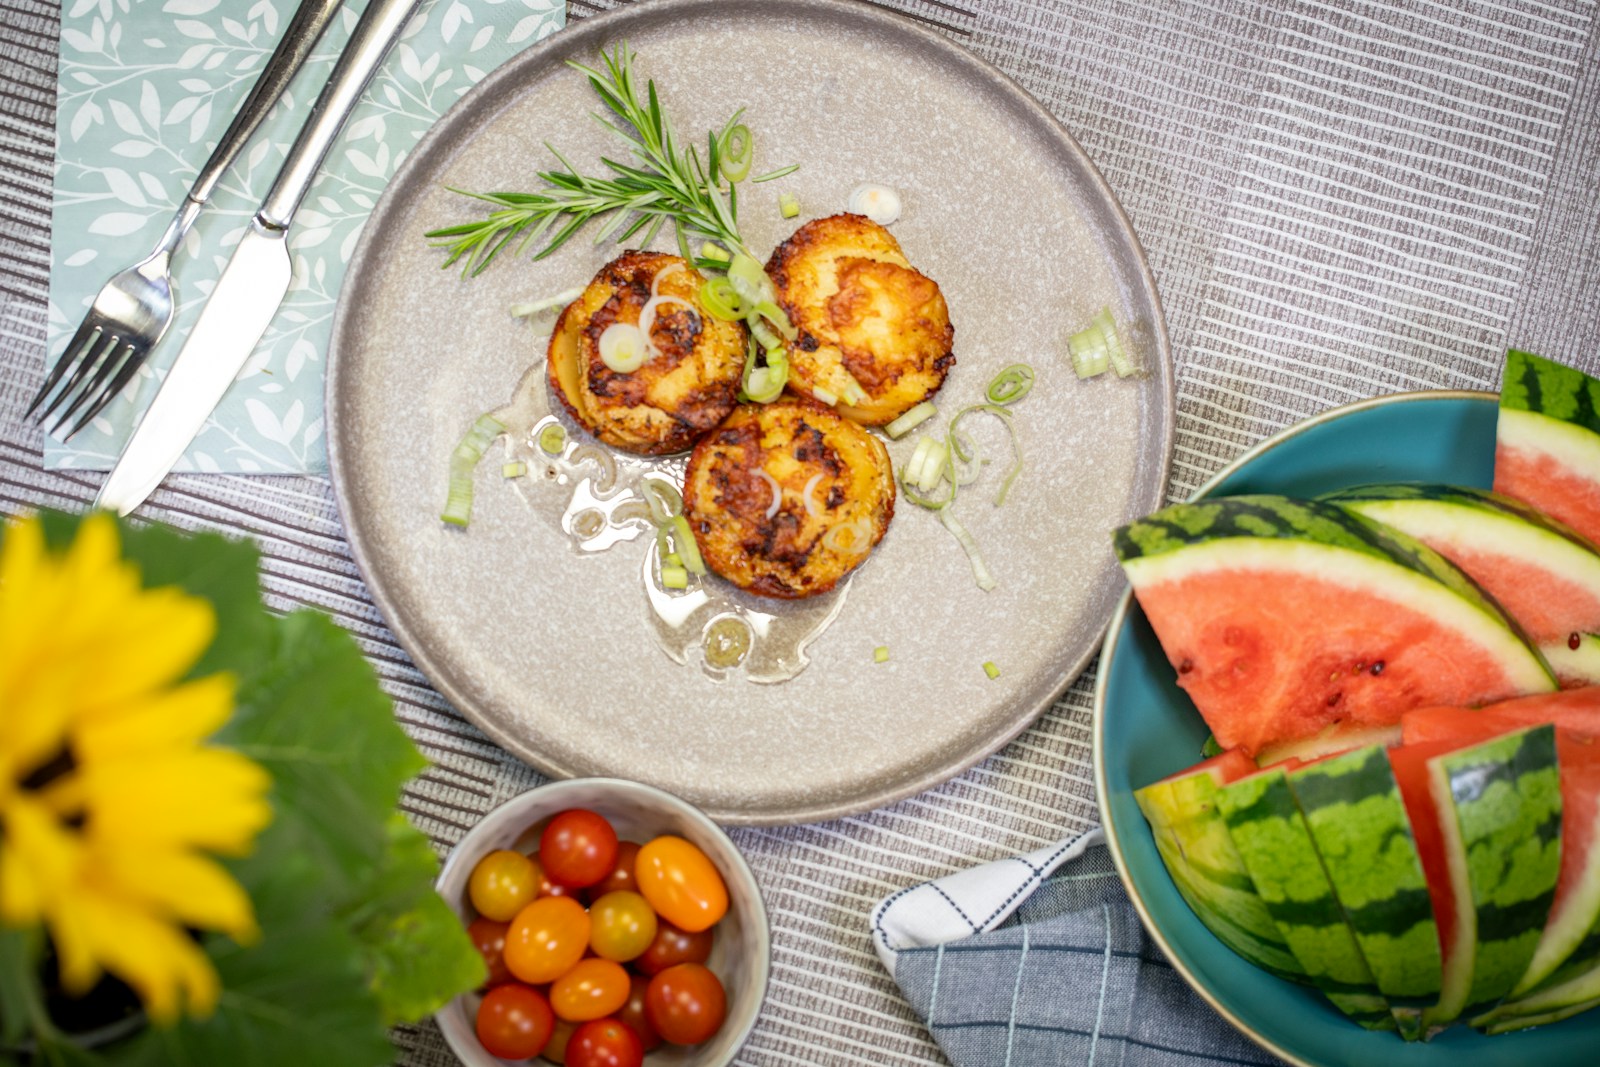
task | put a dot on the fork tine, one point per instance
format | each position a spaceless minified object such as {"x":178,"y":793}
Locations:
{"x":102,"y":344}
{"x":79,"y":340}
{"x":114,"y":359}
{"x":130,"y":366}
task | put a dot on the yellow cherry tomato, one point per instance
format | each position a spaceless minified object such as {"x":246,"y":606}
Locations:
{"x":545,"y":939}
{"x":681,"y":883}
{"x":592,"y":989}
{"x":501,"y":883}
{"x":621,"y":926}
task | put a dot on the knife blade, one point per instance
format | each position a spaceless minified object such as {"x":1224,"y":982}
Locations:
{"x":256,"y":279}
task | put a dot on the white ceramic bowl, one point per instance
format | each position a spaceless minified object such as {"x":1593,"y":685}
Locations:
{"x":741,"y":955}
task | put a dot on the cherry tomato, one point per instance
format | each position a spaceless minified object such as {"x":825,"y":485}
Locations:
{"x":632,"y":1014}
{"x":604,"y":1043}
{"x":556,"y":1050}
{"x":489,"y":938}
{"x":621,"y":876}
{"x":547,"y":888}
{"x":546,"y":938}
{"x":514,"y":1022}
{"x":681,"y":883}
{"x":578,"y":848}
{"x":592,"y":989}
{"x":501,"y":883}
{"x":673,"y":946}
{"x":685,"y":1004}
{"x":621,"y":926}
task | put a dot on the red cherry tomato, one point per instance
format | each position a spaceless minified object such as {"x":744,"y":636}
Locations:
{"x":514,"y":1022}
{"x":501,"y":883}
{"x":604,"y":1043}
{"x":621,"y":926}
{"x":592,"y":989}
{"x":489,"y":938}
{"x":578,"y":848}
{"x":632,"y":1014}
{"x":546,"y":938}
{"x":673,"y":946}
{"x":685,"y":1004}
{"x":621,"y":877}
{"x":681,"y":883}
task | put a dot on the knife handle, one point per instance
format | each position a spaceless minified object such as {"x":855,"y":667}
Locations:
{"x":374,"y":35}
{"x":299,"y":38}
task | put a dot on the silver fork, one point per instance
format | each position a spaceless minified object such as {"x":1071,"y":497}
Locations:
{"x":134,"y":309}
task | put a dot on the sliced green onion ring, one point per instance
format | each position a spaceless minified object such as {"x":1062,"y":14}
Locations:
{"x":524,"y":311}
{"x":663,"y":498}
{"x":991,"y":670}
{"x":750,"y":280}
{"x":684,"y":544}
{"x":911,"y":420}
{"x":880,"y":654}
{"x":463,"y":461}
{"x":623,"y":347}
{"x":1011,"y":384}
{"x":980,"y":569}
{"x":514,"y":469}
{"x":788,"y":205}
{"x":1016,"y":449}
{"x":738,"y":150}
{"x":674,"y":577}
{"x":1090,"y":347}
{"x":553,"y":438}
{"x":714,"y":251}
{"x":721,"y":301}
{"x":774,"y":314}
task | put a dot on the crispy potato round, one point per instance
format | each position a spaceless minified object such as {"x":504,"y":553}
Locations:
{"x":804,"y":449}
{"x":866,"y":318}
{"x":681,"y":392}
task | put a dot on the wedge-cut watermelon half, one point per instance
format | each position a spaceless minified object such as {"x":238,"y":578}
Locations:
{"x":1193,"y":842}
{"x":1271,"y":836}
{"x":1547,"y":440}
{"x":1358,"y":823}
{"x":1486,"y":818}
{"x":1570,"y":943}
{"x":1545,"y":576}
{"x":1299,"y":626}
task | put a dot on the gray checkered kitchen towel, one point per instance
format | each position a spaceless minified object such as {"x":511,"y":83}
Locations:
{"x":1040,"y":959}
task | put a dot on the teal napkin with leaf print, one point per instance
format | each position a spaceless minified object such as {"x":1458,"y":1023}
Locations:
{"x":146,"y":88}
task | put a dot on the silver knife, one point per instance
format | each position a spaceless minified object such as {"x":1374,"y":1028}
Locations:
{"x":247,"y":295}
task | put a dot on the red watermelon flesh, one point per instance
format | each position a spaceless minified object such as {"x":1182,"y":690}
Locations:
{"x":1230,"y":766}
{"x":1541,"y":480}
{"x":1545,"y":604}
{"x":1577,"y":723}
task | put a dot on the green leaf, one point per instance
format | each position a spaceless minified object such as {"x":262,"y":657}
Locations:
{"x":417,"y":951}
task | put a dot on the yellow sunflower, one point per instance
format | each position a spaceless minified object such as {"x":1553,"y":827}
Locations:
{"x":110,"y":799}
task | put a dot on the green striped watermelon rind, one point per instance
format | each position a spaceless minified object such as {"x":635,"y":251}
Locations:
{"x":1181,"y":526}
{"x":1205,"y":866}
{"x":1464,"y":496}
{"x":1503,"y":838}
{"x":1545,"y":387}
{"x":1270,"y":833}
{"x":1358,"y":822}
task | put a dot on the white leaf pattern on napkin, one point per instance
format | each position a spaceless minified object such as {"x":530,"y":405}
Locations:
{"x":131,"y":145}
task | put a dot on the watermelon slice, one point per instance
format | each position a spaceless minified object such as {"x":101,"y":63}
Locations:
{"x":1486,"y":818}
{"x":1270,"y":833}
{"x":1547,"y":441}
{"x":1545,"y":576}
{"x":1358,"y":823}
{"x":1294,"y":622}
{"x":1200,"y":856}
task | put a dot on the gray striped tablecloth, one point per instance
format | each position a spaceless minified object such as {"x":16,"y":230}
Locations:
{"x":1339,"y":199}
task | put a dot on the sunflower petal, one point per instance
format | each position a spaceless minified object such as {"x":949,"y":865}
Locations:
{"x":163,"y":964}
{"x":208,"y":798}
{"x":194,"y":890}
{"x":158,"y":722}
{"x":159,"y":636}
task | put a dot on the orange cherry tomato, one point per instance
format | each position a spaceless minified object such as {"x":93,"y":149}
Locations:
{"x":621,"y":876}
{"x":501,"y":883}
{"x":621,"y":926}
{"x":546,"y":938}
{"x":686,"y":1004}
{"x":681,"y":883}
{"x":592,"y":989}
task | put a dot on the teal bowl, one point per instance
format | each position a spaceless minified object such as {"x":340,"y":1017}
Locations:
{"x":1145,"y":728}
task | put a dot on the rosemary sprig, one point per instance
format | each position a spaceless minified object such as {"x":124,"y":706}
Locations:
{"x":661,"y":181}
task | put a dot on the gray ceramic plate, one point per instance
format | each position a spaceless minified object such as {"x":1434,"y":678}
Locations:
{"x":549,"y":650}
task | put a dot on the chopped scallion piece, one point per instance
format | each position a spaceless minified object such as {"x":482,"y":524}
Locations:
{"x":738,"y":150}
{"x":684,"y":544}
{"x":789,"y":205}
{"x":763,"y":333}
{"x":552,"y":439}
{"x":674,"y":577}
{"x":523,"y":311}
{"x":823,"y":396}
{"x":663,"y":499}
{"x":774,"y":314}
{"x":720,"y":300}
{"x":1097,"y":347}
{"x":750,"y":280}
{"x":716,"y":252}
{"x":980,"y":569}
{"x":673,"y":560}
{"x":880,"y":654}
{"x":463,"y":461}
{"x":963,"y":446}
{"x":513,"y":470}
{"x":911,"y":420}
{"x":781,"y":172}
{"x":990,"y":669}
{"x":1011,"y":384}
{"x":763,"y":383}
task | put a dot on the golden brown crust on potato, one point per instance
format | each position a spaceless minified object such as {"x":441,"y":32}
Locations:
{"x":676,"y":396}
{"x":792,"y":440}
{"x":864,"y":313}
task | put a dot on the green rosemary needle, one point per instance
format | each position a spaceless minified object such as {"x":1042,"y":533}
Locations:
{"x":662,"y":181}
